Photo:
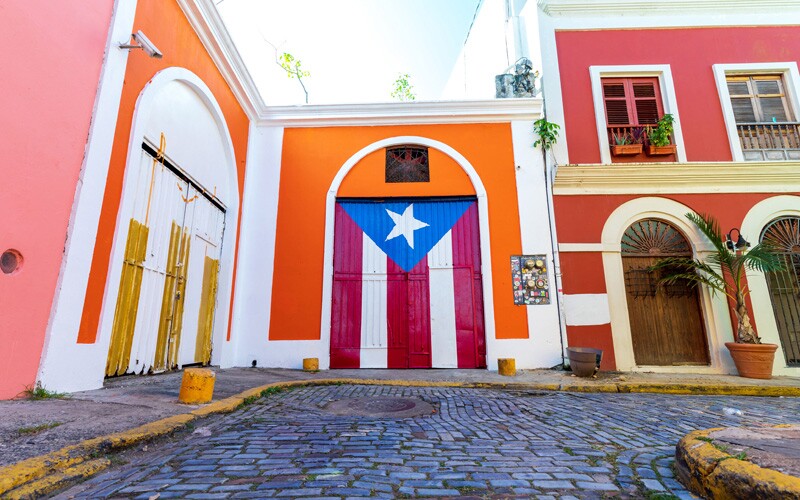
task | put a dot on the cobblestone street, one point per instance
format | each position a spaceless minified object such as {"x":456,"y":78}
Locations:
{"x":476,"y":443}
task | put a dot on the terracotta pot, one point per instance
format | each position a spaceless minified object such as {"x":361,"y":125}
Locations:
{"x":753,"y":360}
{"x":584,"y":361}
{"x":661,"y":150}
{"x":626,"y":149}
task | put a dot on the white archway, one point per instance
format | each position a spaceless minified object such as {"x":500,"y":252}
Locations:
{"x":483,"y":216}
{"x":715,"y":309}
{"x":150,"y":116}
{"x":757,"y":218}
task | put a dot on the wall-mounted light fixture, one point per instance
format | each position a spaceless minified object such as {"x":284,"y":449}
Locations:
{"x":144,"y":43}
{"x":740,"y":244}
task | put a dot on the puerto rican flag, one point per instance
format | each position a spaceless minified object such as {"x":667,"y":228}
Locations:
{"x":407,"y":289}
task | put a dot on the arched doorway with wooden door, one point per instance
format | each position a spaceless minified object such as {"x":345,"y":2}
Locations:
{"x":784,"y":286}
{"x":667,"y":326}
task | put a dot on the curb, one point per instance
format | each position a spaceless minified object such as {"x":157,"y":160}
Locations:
{"x":43,"y":474}
{"x":711,"y":473}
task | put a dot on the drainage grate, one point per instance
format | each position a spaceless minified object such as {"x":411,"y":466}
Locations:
{"x":393,"y":407}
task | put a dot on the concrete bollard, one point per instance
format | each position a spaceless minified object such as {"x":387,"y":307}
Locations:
{"x":507,"y":367}
{"x":197,"y":386}
{"x":310,"y":364}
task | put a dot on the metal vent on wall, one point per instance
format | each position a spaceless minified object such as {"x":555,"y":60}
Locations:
{"x":407,"y":164}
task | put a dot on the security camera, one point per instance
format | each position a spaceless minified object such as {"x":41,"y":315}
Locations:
{"x":144,"y":43}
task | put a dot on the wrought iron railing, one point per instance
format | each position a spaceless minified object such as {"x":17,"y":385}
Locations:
{"x":770,"y":141}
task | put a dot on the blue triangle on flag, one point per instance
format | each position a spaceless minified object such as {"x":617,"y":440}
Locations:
{"x":406,"y":230}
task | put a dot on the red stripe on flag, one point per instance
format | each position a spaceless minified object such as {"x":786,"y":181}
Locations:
{"x":397,"y":315}
{"x":346,"y":303}
{"x":470,"y":337}
{"x":419,"y":316}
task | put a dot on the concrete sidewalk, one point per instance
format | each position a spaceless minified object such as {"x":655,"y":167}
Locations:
{"x":35,"y":428}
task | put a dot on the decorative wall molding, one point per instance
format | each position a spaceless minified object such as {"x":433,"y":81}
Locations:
{"x":663,"y":178}
{"x":654,"y":7}
{"x":402,"y":113}
{"x":210,"y":28}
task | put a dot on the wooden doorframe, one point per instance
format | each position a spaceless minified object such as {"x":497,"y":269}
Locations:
{"x":670,"y":324}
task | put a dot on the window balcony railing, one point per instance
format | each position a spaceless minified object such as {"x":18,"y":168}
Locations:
{"x":770,"y":141}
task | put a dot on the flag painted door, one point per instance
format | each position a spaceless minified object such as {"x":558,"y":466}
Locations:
{"x":407,"y":289}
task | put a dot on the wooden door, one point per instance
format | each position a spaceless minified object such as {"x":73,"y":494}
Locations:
{"x":169,"y":278}
{"x":784,"y":286}
{"x":667,"y":326}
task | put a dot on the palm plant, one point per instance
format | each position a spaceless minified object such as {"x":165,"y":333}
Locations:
{"x":722,"y":271}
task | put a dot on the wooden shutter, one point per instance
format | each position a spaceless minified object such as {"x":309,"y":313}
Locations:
{"x":616,"y":98}
{"x":632,"y":101}
{"x":758,"y":98}
{"x":647,"y":100}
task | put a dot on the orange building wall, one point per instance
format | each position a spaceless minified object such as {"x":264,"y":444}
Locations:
{"x":164,"y":23}
{"x":52,"y":53}
{"x":311,"y":159}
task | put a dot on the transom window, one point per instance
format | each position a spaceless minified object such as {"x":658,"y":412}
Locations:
{"x":407,"y":164}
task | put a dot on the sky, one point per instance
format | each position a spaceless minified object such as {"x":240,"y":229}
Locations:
{"x":354,"y":49}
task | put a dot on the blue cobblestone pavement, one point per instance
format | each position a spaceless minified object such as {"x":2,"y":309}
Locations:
{"x":478,"y":444}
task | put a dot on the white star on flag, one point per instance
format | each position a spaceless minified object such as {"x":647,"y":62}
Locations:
{"x":405,"y":225}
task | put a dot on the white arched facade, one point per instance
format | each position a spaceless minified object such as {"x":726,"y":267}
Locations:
{"x":757,"y":218}
{"x":179,"y":104}
{"x":483,"y":219}
{"x":715,"y":308}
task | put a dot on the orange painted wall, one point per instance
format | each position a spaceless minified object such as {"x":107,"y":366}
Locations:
{"x":597,"y":337}
{"x":311,"y":159}
{"x":167,"y":27}
{"x":51,"y":58}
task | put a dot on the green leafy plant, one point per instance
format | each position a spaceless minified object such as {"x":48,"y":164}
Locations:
{"x":661,"y":134}
{"x":294,"y":69}
{"x":723,"y":271}
{"x":547,"y":133}
{"x":403,"y":90}
{"x":35,"y":429}
{"x":38,"y":392}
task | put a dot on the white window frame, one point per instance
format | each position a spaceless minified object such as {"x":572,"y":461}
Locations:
{"x":668,"y":101}
{"x":791,"y":82}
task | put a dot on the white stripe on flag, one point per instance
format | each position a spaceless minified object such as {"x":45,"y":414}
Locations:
{"x":443,"y":308}
{"x":374,"y":335}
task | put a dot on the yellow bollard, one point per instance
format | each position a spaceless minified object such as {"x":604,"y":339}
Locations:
{"x":197,"y":386}
{"x":507,"y":367}
{"x":310,"y":364}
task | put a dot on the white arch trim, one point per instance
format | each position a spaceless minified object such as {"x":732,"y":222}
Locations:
{"x":221,"y":352}
{"x":483,"y":217}
{"x":757,"y":218}
{"x":715,"y":309}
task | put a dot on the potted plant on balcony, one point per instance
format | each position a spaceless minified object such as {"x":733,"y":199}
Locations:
{"x":624,"y":144}
{"x":724,"y":271}
{"x":660,"y":137}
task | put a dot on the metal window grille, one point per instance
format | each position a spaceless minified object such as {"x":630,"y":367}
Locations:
{"x":407,"y":164}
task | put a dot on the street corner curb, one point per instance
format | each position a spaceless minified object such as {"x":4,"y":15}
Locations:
{"x":51,"y":482}
{"x":712,"y":473}
{"x":38,"y":475}
{"x":711,"y":389}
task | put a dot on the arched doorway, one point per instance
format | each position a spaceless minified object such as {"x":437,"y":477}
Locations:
{"x":667,"y":325}
{"x":784,"y":286}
